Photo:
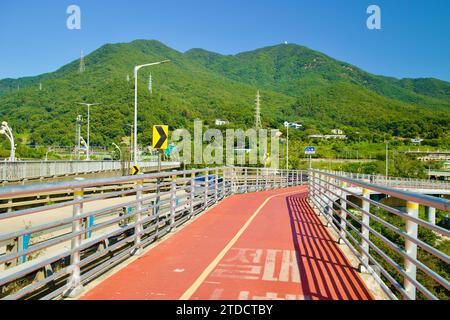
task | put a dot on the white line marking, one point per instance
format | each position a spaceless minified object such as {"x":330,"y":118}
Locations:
{"x":191,"y":290}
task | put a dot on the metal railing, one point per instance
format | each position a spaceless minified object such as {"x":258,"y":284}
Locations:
{"x":23,"y":170}
{"x":69,"y":243}
{"x":406,"y":183}
{"x":384,"y":238}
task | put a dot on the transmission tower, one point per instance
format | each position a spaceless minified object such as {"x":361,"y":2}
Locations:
{"x":82,"y":65}
{"x":258,"y":112}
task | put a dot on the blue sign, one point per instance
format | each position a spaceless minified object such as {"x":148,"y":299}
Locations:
{"x":310,"y":150}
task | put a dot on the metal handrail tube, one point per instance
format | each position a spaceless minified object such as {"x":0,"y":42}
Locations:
{"x":402,"y":214}
{"x":10,"y":191}
{"x":397,"y":230}
{"x":366,"y":264}
{"x":23,"y":212}
{"x":388,"y":259}
{"x":7,"y":236}
{"x":400,"y":194}
{"x":399,"y":250}
{"x":37,"y":285}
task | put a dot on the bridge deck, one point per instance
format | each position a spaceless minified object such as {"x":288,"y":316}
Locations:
{"x":268,"y":245}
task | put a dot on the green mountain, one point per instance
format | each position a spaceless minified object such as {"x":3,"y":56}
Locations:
{"x":296,"y":83}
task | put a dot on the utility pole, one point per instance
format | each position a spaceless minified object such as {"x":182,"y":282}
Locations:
{"x":387,"y":160}
{"x":89,"y":105}
{"x":77,"y":136}
{"x":258,"y":112}
{"x":136,"y":69}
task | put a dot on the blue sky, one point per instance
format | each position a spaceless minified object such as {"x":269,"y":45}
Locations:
{"x":413,"y":42}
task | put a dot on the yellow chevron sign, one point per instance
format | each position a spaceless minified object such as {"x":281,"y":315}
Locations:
{"x":135,"y":170}
{"x":160,"y":137}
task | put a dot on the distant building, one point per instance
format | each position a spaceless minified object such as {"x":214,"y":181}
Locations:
{"x":296,"y":126}
{"x":327,"y":136}
{"x":417,"y":141}
{"x":293,"y":125}
{"x":337,"y":132}
{"x":219,"y":122}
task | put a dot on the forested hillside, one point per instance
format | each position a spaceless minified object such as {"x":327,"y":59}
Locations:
{"x":296,"y":83}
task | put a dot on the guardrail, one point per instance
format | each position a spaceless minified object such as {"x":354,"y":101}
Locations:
{"x":69,"y":243}
{"x":23,"y":170}
{"x":396,"y":181}
{"x":386,"y":248}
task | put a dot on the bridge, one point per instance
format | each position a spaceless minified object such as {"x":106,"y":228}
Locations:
{"x":12,"y":171}
{"x":226,"y":233}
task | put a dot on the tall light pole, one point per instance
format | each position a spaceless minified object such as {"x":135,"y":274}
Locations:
{"x":136,"y":69}
{"x":7,"y":131}
{"x":287,"y":125}
{"x":88,"y":126}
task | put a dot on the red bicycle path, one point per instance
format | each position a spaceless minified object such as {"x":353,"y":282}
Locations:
{"x":256,"y":246}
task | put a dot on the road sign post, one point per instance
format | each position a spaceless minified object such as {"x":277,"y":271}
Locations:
{"x":310,"y":151}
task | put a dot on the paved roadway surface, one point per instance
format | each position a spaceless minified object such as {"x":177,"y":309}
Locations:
{"x":267,"y":245}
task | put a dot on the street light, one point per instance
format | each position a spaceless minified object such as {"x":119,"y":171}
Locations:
{"x":118,"y":148}
{"x":136,"y":69}
{"x":6,"y":130}
{"x":83,"y":142}
{"x":88,"y":126}
{"x":287,"y":124}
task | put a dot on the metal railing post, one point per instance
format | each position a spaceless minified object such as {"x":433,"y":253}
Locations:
{"x":329,"y":212}
{"x":138,"y":217}
{"x":216,"y":186}
{"x":266,"y":179}
{"x":192,"y":196}
{"x":205,"y":203}
{"x":364,"y":230}
{"x":173,"y":202}
{"x":246,"y":180}
{"x":311,"y":187}
{"x":343,"y":234}
{"x":257,"y":179}
{"x":412,"y":209}
{"x":74,"y":287}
